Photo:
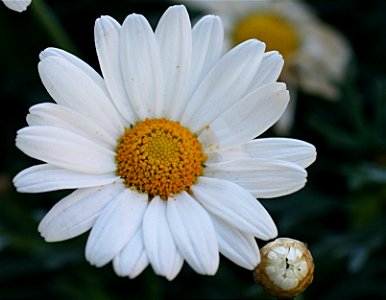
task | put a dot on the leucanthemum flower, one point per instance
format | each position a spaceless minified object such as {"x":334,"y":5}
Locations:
{"x":316,"y":55}
{"x":160,"y":151}
{"x":17,"y":5}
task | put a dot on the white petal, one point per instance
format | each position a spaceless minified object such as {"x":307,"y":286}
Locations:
{"x":235,"y":206}
{"x":115,"y":226}
{"x":55,"y":115}
{"x":194,"y":233}
{"x":207,"y":46}
{"x":72,"y":59}
{"x":261,"y":177}
{"x":71,"y":86}
{"x":269,"y":70}
{"x":291,"y":150}
{"x":286,"y":121}
{"x":248,"y":118}
{"x":65,"y":149}
{"x":174,"y":37}
{"x":132,"y":259}
{"x":161,"y":248}
{"x":106,"y":33}
{"x":141,"y":67}
{"x":45,"y":178}
{"x":76,"y":213}
{"x":224,"y":85}
{"x":239,"y":247}
{"x":225,"y":155}
{"x":17,"y":5}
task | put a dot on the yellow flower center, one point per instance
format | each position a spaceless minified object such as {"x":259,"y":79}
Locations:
{"x":277,"y":32}
{"x":159,"y":157}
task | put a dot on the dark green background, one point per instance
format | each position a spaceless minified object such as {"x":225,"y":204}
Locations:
{"x":340,"y":213}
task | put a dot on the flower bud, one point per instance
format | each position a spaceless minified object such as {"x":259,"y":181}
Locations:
{"x":286,"y":268}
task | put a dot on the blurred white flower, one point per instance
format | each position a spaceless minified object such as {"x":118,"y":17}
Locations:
{"x":17,"y":5}
{"x":315,"y":55}
{"x":162,"y":150}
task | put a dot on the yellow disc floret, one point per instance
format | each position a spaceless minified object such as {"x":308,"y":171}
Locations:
{"x":277,"y":32}
{"x":159,"y":157}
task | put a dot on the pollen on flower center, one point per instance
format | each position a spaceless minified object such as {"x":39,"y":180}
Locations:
{"x":277,"y":32}
{"x":159,"y":157}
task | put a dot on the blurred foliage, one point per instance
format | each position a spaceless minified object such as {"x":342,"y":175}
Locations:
{"x":340,"y":213}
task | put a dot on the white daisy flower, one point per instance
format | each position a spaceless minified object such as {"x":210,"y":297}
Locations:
{"x":316,"y":55}
{"x":160,"y":150}
{"x":17,"y":5}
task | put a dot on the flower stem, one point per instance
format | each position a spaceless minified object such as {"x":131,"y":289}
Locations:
{"x":52,"y":25}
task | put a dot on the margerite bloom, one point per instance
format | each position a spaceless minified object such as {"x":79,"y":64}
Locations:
{"x":17,"y":5}
{"x":160,"y":151}
{"x":315,"y":54}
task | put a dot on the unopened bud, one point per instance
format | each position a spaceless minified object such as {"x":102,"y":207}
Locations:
{"x":286,"y":268}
